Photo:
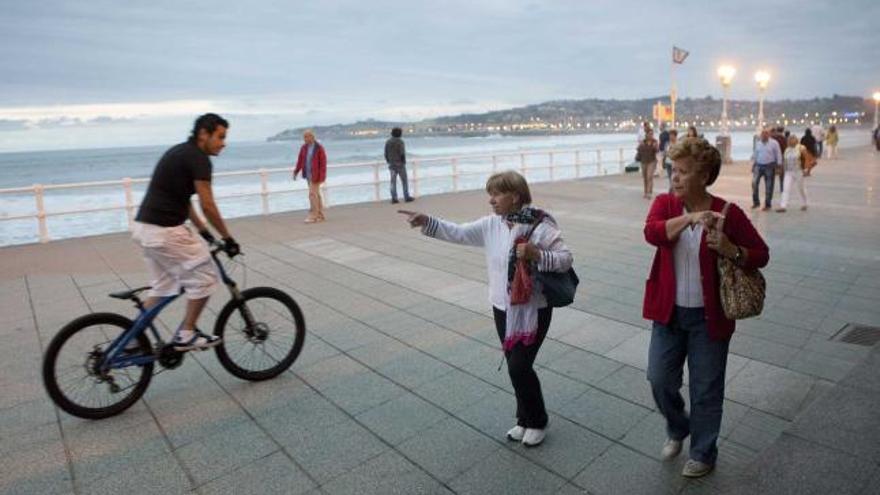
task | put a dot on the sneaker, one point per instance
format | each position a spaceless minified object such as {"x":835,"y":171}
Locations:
{"x":671,"y":449}
{"x":696,"y":469}
{"x":410,"y":199}
{"x":394,"y":201}
{"x":780,"y":210}
{"x":516,"y":433}
{"x":195,"y":340}
{"x":533,"y":437}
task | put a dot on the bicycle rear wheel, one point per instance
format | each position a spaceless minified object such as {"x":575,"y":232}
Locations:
{"x":270,"y":345}
{"x":71,"y":371}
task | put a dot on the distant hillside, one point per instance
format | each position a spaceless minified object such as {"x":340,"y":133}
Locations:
{"x":595,"y":115}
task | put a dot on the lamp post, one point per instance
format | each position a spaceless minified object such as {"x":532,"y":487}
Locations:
{"x":762,"y":78}
{"x":876,"y":107}
{"x":725,"y":73}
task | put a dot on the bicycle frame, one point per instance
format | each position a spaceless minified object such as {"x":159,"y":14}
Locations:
{"x":114,"y":358}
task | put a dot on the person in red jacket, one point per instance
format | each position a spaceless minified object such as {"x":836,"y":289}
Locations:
{"x":682,"y":299}
{"x":312,"y":163}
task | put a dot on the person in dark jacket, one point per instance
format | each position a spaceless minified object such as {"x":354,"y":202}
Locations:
{"x":682,"y":298}
{"x":646,"y":155}
{"x":809,"y":142}
{"x":395,"y":156}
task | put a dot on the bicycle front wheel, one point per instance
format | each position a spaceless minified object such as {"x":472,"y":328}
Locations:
{"x":271,"y":342}
{"x":72,"y":370}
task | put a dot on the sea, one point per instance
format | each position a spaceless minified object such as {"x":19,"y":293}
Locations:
{"x":239,"y":193}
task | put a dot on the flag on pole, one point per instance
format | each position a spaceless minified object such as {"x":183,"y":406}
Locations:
{"x":678,"y":54}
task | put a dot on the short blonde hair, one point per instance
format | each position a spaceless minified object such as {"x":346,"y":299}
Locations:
{"x":792,"y":138}
{"x":704,"y":155}
{"x":510,"y":182}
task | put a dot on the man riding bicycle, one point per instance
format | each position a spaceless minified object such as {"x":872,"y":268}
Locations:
{"x":175,"y":256}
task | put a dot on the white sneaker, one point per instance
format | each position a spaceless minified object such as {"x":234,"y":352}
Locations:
{"x":533,"y":437}
{"x":671,"y":449}
{"x":193,"y":340}
{"x":696,"y":469}
{"x":516,"y":433}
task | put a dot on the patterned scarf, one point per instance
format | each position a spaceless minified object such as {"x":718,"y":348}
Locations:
{"x":522,"y":319}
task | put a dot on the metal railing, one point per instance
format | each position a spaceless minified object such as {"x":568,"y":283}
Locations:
{"x":579,"y":161}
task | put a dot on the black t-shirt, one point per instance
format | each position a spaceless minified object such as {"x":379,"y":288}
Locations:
{"x":167,"y":200}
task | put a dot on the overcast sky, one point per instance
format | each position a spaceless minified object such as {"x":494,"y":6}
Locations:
{"x":103,"y":73}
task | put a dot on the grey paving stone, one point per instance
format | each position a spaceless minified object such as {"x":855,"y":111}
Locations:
{"x":493,"y":415}
{"x":631,"y":384}
{"x":388,"y":473}
{"x":796,"y":466}
{"x":633,"y":351}
{"x":34,"y":462}
{"x":584,"y":366}
{"x":757,"y":430}
{"x":845,"y":419}
{"x":504,"y":472}
{"x":559,"y":390}
{"x":273,"y":474}
{"x":456,"y":391}
{"x":160,"y":475}
{"x":820,"y":365}
{"x":763,"y":350}
{"x":620,"y":470}
{"x":401,"y":418}
{"x":604,"y":413}
{"x":411,"y":368}
{"x":770,"y":388}
{"x":648,"y":436}
{"x":210,"y":457}
{"x":448,"y":448}
{"x":567,"y":449}
{"x":865,"y":375}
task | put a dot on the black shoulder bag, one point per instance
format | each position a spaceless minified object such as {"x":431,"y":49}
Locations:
{"x":558,"y":288}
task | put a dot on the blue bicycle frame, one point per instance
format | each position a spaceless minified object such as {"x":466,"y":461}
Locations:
{"x":114,"y":358}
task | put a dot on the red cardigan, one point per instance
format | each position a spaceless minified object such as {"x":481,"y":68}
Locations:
{"x":319,"y":163}
{"x":660,"y":287}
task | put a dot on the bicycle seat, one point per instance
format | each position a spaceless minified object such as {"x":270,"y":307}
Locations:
{"x":128,"y":294}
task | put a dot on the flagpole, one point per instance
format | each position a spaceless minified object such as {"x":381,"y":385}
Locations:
{"x":672,"y":94}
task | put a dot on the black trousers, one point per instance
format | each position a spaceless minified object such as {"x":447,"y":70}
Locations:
{"x":530,"y":411}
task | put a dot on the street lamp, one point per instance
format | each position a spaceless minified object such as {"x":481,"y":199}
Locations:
{"x":725,"y":73}
{"x":762,"y":78}
{"x":876,"y":107}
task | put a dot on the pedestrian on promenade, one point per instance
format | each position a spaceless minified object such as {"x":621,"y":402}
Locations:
{"x":778,"y":134}
{"x":795,"y":160}
{"x":819,"y":135}
{"x":832,"y":139}
{"x":765,"y":158}
{"x":875,"y":136}
{"x":176,"y":257}
{"x":812,"y":156}
{"x":692,"y":132}
{"x":312,"y":163}
{"x":646,"y":155}
{"x":521,"y":327}
{"x":682,"y":299}
{"x":643,"y":131}
{"x":395,"y":157}
{"x":667,"y":162}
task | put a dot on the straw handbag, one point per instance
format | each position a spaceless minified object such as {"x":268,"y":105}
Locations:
{"x":742,"y":290}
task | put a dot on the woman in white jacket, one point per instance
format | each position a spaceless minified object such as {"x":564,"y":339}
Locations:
{"x":521,"y":327}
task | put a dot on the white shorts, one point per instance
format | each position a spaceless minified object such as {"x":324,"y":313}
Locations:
{"x":177,"y":258}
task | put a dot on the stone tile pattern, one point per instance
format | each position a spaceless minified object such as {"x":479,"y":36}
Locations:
{"x":397,"y":389}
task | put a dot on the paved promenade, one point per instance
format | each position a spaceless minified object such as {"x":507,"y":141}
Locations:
{"x":397,"y":389}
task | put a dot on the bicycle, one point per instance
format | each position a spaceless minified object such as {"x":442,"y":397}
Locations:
{"x":121,"y":357}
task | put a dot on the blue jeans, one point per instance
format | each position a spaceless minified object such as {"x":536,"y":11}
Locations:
{"x":395,"y":172}
{"x":687,"y":337}
{"x":767,"y":171}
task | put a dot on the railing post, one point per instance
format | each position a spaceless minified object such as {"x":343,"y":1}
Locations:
{"x":377,"y":193}
{"x":494,"y":164}
{"x":551,"y":165}
{"x":264,"y":190}
{"x":598,"y":162}
{"x":129,"y":201}
{"x":522,"y":164}
{"x":415,"y":178}
{"x":620,"y":155}
{"x":41,"y":213}
{"x":455,"y":174}
{"x":577,"y":163}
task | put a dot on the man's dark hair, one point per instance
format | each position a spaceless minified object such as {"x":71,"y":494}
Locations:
{"x":673,"y":132}
{"x":209,"y":122}
{"x":396,"y":132}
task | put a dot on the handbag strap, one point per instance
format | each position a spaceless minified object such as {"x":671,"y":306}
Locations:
{"x":537,"y":221}
{"x":723,"y":216}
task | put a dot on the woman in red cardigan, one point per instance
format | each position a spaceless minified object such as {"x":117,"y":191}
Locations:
{"x":682,"y":299}
{"x":312,"y":163}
